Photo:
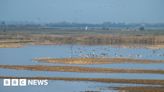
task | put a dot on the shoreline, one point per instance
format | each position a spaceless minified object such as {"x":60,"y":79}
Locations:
{"x":88,"y":61}
{"x":139,"y":89}
{"x":103,"y":80}
{"x":78,"y":69}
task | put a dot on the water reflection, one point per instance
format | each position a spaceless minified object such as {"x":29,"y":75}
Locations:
{"x":24,"y":56}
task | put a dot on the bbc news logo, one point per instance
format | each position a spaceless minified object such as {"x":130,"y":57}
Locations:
{"x":24,"y":82}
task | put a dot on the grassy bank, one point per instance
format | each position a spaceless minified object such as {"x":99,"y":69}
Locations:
{"x":78,"y":69}
{"x":95,"y":60}
{"x":140,"y":89}
{"x":104,"y":80}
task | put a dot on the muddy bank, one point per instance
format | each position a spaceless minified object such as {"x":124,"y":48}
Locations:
{"x":104,"y":80}
{"x":139,"y":89}
{"x":14,"y":43}
{"x":78,"y":69}
{"x":11,"y":45}
{"x":95,"y":60}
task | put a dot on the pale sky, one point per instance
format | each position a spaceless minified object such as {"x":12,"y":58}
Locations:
{"x":83,"y":11}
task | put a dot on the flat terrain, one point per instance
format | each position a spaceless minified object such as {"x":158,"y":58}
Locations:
{"x":16,"y":37}
{"x":140,"y":89}
{"x":78,"y":69}
{"x":95,"y":60}
{"x":104,"y":80}
{"x":152,"y":38}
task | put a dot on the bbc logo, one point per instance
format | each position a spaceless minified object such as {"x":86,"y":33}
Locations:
{"x":14,"y":82}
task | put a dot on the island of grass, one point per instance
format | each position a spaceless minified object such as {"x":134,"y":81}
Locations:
{"x":95,"y":60}
{"x":78,"y":69}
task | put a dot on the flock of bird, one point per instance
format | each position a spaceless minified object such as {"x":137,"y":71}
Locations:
{"x":110,"y":52}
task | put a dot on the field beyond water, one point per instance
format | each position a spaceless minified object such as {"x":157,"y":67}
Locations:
{"x":76,"y":60}
{"x":17,"y":37}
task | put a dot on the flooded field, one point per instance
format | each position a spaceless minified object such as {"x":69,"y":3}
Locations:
{"x":125,"y":69}
{"x":81,"y":46}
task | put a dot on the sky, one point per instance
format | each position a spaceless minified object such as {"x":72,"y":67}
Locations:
{"x":83,"y":11}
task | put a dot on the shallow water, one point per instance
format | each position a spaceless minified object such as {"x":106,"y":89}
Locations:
{"x":27,"y":73}
{"x":67,"y":86}
{"x":24,"y":56}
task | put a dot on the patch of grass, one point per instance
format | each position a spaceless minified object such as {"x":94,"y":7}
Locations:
{"x":95,"y":60}
{"x":78,"y":69}
{"x":103,"y":80}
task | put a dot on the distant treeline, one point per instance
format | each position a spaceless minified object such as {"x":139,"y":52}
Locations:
{"x":82,"y":25}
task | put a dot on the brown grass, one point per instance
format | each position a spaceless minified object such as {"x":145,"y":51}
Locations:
{"x":11,"y":45}
{"x":14,"y":43}
{"x":103,"y":39}
{"x":78,"y":69}
{"x":140,"y":89}
{"x":104,"y":80}
{"x":95,"y":60}
{"x":150,"y":41}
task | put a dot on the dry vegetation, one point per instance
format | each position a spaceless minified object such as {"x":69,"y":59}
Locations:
{"x":139,"y":89}
{"x":78,"y":69}
{"x":91,"y":37}
{"x":104,"y":80}
{"x":11,"y":43}
{"x":95,"y":60}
